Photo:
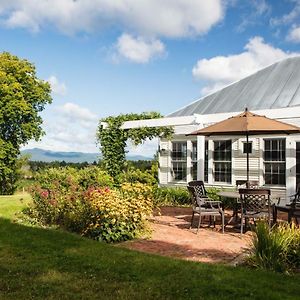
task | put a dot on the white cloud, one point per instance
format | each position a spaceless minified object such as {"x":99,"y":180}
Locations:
{"x":255,"y":10}
{"x":138,"y":50}
{"x":77,"y":113}
{"x":168,"y":18}
{"x":73,"y":128}
{"x":57,"y":87}
{"x":219,"y":71}
{"x":289,"y":17}
{"x":69,"y":127}
{"x":22,"y":20}
{"x":294,"y":35}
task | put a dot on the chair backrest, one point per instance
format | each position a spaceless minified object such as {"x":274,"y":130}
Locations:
{"x":199,"y":187}
{"x":297,"y":195}
{"x":255,"y":199}
{"x":195,"y":197}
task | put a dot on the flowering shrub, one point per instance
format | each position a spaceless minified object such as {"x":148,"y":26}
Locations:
{"x":102,"y":213}
{"x":65,"y":178}
{"x":134,"y":175}
{"x":119,"y":215}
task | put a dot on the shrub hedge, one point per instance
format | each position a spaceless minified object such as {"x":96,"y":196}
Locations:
{"x":85,"y":201}
{"x":171,"y":196}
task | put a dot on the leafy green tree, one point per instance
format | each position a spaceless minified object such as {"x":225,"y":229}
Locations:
{"x":22,"y":97}
{"x":113,"y":138}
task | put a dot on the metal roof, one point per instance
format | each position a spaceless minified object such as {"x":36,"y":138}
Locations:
{"x":276,"y":86}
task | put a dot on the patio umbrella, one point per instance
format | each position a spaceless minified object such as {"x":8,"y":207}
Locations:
{"x":247,"y":123}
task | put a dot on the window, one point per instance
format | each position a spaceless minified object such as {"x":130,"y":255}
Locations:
{"x":206,"y":162}
{"x":194,"y":161}
{"x":179,"y":154}
{"x":222,"y":161}
{"x":274,"y":156}
{"x":247,"y":147}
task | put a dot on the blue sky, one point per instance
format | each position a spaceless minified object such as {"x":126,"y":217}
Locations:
{"x":109,"y":57}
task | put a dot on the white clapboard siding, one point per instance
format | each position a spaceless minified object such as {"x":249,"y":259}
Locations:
{"x":239,"y":161}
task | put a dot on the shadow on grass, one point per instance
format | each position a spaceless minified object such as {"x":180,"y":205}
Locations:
{"x":48,"y":264}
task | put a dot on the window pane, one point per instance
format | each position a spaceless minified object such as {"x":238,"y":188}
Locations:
{"x":222,"y":161}
{"x":179,"y":151}
{"x":179,"y":171}
{"x":179,"y":156}
{"x":274,"y":156}
{"x":194,"y":171}
{"x":194,"y":151}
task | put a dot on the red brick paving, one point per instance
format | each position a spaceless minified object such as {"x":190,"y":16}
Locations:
{"x":171,"y":236}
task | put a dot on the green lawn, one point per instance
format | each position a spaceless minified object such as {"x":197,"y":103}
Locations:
{"x":50,"y":264}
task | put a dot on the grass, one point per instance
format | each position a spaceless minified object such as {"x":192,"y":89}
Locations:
{"x":40,"y":263}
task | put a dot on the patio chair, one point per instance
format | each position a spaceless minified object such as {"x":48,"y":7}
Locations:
{"x":200,"y":187}
{"x":295,"y":198}
{"x":292,"y":208}
{"x":255,"y":204}
{"x":203,"y":206}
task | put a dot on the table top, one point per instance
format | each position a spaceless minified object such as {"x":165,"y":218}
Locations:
{"x":229,"y":194}
{"x":236,"y":194}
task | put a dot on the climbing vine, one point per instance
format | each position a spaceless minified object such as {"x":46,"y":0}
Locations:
{"x":112,"y":138}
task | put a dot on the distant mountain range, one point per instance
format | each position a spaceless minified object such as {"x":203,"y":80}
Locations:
{"x":37,"y":154}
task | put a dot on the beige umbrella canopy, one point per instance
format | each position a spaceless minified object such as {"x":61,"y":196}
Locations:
{"x":247,"y":123}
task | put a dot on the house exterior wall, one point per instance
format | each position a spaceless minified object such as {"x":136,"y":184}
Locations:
{"x":256,"y":162}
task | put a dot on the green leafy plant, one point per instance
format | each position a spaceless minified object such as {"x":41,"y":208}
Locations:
{"x":171,"y":196}
{"x":23,"y":96}
{"x":135,"y":175}
{"x":64,"y":178}
{"x":276,"y":249}
{"x":85,"y":202}
{"x":119,"y":215}
{"x":113,"y":138}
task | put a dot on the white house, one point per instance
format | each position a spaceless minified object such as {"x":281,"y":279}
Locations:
{"x":220,"y":161}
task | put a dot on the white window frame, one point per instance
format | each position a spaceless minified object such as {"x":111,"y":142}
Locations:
{"x":184,"y":161}
{"x":221,"y":161}
{"x":274,"y":162}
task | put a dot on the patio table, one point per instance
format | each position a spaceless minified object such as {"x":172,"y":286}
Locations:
{"x":236,"y":196}
{"x":232,"y":195}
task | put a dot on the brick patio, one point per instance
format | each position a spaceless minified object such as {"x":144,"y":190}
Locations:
{"x":171,"y":236}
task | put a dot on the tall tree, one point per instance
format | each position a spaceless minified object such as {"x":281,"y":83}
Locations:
{"x":113,"y":138}
{"x":22,"y":97}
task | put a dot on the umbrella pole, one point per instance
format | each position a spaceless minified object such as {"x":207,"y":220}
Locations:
{"x":247,"y":142}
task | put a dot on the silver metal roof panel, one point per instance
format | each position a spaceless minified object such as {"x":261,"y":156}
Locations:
{"x":276,"y":86}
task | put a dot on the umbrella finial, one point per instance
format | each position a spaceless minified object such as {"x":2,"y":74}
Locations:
{"x":246,"y":109}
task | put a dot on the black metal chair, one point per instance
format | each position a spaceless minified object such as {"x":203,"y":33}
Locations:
{"x":255,"y":204}
{"x":295,"y":198}
{"x":202,"y":205}
{"x":292,"y":209}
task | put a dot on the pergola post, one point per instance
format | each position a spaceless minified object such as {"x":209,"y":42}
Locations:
{"x":200,"y":157}
{"x":290,"y":166}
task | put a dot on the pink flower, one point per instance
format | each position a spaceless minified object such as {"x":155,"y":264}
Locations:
{"x":106,"y":190}
{"x":44,"y":194}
